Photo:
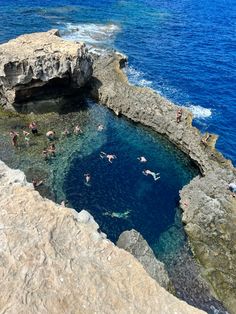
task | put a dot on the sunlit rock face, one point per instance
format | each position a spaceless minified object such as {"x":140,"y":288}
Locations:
{"x":41,"y":63}
{"x":54,"y":260}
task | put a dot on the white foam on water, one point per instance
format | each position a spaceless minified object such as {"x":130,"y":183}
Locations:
{"x":90,"y":33}
{"x":136,"y":77}
{"x":200,"y":112}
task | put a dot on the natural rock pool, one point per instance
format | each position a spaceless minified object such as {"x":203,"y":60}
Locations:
{"x":118,"y":195}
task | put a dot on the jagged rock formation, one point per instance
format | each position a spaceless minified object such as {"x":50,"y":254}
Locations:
{"x":133,"y":242}
{"x":36,"y":64}
{"x":209,"y":208}
{"x":54,"y":260}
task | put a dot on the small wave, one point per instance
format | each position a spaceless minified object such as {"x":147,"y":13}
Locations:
{"x":200,"y":112}
{"x":136,"y":77}
{"x":90,"y":33}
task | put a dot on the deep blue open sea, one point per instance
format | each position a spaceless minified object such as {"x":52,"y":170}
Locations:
{"x":186,"y":51}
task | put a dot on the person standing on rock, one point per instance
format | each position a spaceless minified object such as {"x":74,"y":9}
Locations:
{"x":33,"y":127}
{"x":179,"y":115}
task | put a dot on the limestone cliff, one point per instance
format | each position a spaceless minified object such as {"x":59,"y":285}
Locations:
{"x":34,"y":64}
{"x":54,"y":260}
{"x":209,"y":208}
{"x":133,"y":242}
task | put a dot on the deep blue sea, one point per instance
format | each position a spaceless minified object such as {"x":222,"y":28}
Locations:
{"x":186,"y":51}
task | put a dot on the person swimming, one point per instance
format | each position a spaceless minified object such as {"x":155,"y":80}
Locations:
{"x":87,"y":178}
{"x":155,"y":176}
{"x":51,"y":135}
{"x":100,"y":127}
{"x":14,"y":137}
{"x":33,"y":127}
{"x":142,"y":159}
{"x":110,"y":157}
{"x":123,"y":215}
{"x":52,"y":150}
{"x":45,"y":153}
{"x":77,"y":130}
{"x":37,"y":183}
{"x":65,"y":132}
{"x":26,"y":137}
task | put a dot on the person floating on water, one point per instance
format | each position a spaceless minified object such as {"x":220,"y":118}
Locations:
{"x":26,"y":137}
{"x":110,"y":157}
{"x":155,"y":176}
{"x":14,"y":136}
{"x":51,"y":135}
{"x":33,"y":127}
{"x":179,"y":115}
{"x":100,"y":127}
{"x":87,"y":178}
{"x":142,"y":159}
{"x":77,"y":130}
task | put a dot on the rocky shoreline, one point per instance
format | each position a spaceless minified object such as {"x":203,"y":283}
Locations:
{"x":209,"y":210}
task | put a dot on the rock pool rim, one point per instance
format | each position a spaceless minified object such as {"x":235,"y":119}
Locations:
{"x":110,"y":86}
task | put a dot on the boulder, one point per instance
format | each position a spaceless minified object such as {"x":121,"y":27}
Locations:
{"x":133,"y":242}
{"x":34,"y":65}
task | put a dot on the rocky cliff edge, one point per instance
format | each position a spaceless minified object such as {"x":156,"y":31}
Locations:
{"x":54,"y":260}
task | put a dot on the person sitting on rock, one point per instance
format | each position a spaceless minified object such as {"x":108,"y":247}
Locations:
{"x":179,"y":115}
{"x":205,"y":139}
{"x":155,"y":176}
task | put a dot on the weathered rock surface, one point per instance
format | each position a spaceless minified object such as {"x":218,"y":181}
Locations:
{"x":209,"y":208}
{"x":133,"y":242}
{"x":35,"y":64}
{"x":54,"y":260}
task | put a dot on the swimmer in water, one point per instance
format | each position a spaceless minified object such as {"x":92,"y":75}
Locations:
{"x":26,"y":137}
{"x":37,"y":183}
{"x":142,"y":159}
{"x":14,"y":136}
{"x":66,"y":132}
{"x":45,"y":153}
{"x":33,"y":127}
{"x":124,"y":215}
{"x":52,"y":150}
{"x":77,"y":130}
{"x":100,"y":127}
{"x":155,"y":176}
{"x":87,"y":178}
{"x":110,"y":157}
{"x":51,"y":135}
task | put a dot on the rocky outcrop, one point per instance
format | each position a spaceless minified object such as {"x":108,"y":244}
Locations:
{"x":54,"y":260}
{"x":42,"y":63}
{"x":133,"y":242}
{"x":209,"y":208}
